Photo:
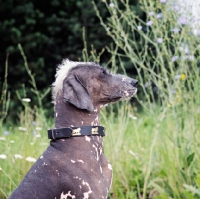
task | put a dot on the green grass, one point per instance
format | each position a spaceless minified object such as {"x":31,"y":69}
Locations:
{"x":28,"y":139}
{"x":153,"y":156}
{"x":157,"y":155}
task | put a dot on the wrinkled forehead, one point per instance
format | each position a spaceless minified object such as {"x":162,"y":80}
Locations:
{"x":87,"y":67}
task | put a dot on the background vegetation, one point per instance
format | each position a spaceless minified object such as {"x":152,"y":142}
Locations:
{"x":153,"y":142}
{"x":48,"y":32}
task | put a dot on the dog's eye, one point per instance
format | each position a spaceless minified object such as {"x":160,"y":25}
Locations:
{"x":103,"y":72}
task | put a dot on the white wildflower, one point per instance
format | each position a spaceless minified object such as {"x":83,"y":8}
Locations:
{"x":163,"y":1}
{"x":139,"y":27}
{"x":2,"y":138}
{"x":26,"y":100}
{"x":12,"y":141}
{"x":189,"y":57}
{"x":151,"y":13}
{"x":38,"y":128}
{"x":3,"y":156}
{"x":159,"y":15}
{"x":30,"y":159}
{"x":112,"y":5}
{"x":185,"y":49}
{"x":133,"y":117}
{"x":176,"y":30}
{"x":182,"y":21}
{"x":175,"y":58}
{"x":149,"y":23}
{"x":18,"y":156}
{"x":159,"y":40}
{"x":173,"y":92}
{"x":37,"y":135}
{"x":22,"y":128}
{"x":197,"y":32}
{"x":33,"y":123}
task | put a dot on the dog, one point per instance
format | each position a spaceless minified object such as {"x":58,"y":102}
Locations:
{"x":74,"y":166}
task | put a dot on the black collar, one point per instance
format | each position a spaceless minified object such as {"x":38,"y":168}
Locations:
{"x":76,"y":132}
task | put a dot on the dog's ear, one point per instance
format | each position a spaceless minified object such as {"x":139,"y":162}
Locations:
{"x":75,"y":93}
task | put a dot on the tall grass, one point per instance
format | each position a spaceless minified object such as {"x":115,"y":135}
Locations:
{"x":21,"y":145}
{"x":5,"y":95}
{"x":157,"y":155}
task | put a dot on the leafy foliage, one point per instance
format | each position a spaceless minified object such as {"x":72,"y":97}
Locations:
{"x":48,"y":32}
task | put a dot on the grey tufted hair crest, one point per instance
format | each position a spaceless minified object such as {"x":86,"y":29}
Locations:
{"x":61,"y":74}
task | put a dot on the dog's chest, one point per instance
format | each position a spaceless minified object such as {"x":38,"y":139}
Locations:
{"x":68,"y":169}
{"x":82,"y":171}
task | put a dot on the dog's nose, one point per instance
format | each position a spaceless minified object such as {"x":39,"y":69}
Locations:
{"x":134,"y":83}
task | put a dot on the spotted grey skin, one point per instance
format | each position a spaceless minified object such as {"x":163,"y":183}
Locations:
{"x":76,"y":168}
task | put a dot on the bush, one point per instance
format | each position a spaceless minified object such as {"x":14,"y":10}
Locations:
{"x":48,"y":32}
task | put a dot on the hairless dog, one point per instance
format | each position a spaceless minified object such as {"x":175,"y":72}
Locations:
{"x":74,"y":165}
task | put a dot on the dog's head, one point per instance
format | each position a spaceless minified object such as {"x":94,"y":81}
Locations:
{"x":86,"y":85}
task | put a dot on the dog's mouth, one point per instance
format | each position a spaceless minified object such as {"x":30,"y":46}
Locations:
{"x":120,"y":95}
{"x":126,"y":94}
{"x":129,"y":93}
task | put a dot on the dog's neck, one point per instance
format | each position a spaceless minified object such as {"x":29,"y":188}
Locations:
{"x":67,"y":115}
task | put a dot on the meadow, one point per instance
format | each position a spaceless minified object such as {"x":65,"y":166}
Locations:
{"x":152,"y":143}
{"x":153,"y":154}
